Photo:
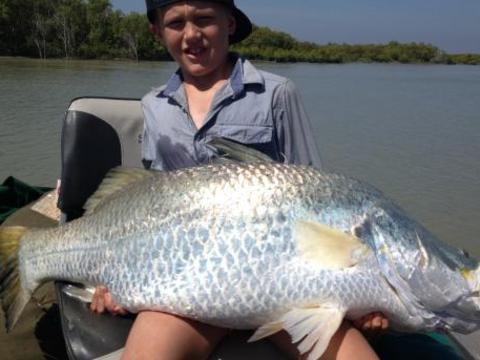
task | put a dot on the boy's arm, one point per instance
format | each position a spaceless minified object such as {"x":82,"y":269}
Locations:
{"x":294,"y":130}
{"x":148,"y":144}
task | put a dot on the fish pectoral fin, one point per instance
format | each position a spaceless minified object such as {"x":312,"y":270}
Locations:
{"x":116,"y":180}
{"x":84,"y":294}
{"x":312,"y":328}
{"x":328,"y":247}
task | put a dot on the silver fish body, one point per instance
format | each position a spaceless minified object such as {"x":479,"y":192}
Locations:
{"x":223,"y":244}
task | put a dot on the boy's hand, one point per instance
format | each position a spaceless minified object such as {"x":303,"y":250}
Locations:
{"x":102,"y":300}
{"x":373,"y":322}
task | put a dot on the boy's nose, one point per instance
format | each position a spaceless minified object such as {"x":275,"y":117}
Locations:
{"x":191,"y":31}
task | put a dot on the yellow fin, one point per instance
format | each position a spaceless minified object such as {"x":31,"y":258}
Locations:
{"x":116,"y":180}
{"x":13,"y":296}
{"x":328,"y":247}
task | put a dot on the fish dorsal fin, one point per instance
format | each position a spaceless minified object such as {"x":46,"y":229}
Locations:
{"x":313,"y":327}
{"x":328,"y":247}
{"x":231,"y":151}
{"x":116,"y":180}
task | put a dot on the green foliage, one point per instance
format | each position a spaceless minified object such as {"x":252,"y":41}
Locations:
{"x":467,"y":59}
{"x":263,"y":37}
{"x":261,"y":48}
{"x":92,"y":29}
{"x":14,"y":31}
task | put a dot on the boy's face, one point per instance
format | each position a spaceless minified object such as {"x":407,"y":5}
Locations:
{"x":196,"y":35}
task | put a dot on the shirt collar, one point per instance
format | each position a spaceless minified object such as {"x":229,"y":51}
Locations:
{"x":243,"y":73}
{"x":173,"y":84}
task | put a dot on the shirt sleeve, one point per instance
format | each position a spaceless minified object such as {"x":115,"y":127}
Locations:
{"x":148,"y":143}
{"x":293,"y":127}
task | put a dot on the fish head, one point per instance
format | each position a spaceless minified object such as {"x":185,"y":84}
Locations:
{"x":447,"y":280}
{"x":448,"y":284}
{"x":436,"y":280}
{"x":463,"y":314}
{"x":473,"y":280}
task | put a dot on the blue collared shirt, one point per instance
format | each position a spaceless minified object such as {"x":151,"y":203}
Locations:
{"x":255,"y":108}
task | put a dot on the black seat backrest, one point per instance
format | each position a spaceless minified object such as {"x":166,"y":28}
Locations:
{"x":98,"y":134}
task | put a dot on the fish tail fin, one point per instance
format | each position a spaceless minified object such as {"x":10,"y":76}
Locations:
{"x":14,"y":298}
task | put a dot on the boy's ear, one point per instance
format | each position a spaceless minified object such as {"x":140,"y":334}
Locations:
{"x":232,"y":25}
{"x":155,"y":30}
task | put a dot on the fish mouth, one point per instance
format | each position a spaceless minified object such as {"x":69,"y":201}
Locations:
{"x":473,"y":279}
{"x":477,"y":282}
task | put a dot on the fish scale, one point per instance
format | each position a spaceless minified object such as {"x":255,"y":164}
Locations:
{"x":247,"y":246}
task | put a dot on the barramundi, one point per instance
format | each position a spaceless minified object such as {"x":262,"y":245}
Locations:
{"x":257,"y":245}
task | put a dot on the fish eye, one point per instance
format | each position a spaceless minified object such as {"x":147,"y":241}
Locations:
{"x":466,"y":253}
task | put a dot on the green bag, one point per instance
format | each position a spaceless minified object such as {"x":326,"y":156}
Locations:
{"x":15,"y":194}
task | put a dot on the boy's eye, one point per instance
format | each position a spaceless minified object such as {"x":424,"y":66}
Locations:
{"x":174,"y":24}
{"x":204,"y":19}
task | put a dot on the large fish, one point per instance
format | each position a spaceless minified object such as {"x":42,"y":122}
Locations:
{"x":250,"y":246}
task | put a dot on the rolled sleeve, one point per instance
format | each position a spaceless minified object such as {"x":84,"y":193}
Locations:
{"x":148,"y":144}
{"x":294,"y":130}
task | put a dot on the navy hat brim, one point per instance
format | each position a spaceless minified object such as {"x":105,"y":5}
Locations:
{"x":243,"y":23}
{"x":243,"y":28}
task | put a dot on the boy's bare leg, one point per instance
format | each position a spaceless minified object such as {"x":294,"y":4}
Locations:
{"x":346,"y":344}
{"x":349,"y":343}
{"x":156,"y":335}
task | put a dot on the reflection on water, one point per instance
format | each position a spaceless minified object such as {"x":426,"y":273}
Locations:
{"x":411,"y":130}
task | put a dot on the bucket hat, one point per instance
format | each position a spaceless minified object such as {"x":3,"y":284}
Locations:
{"x":243,"y":28}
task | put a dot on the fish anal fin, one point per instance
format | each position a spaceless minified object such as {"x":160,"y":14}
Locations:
{"x":317,"y":341}
{"x":116,"y":180}
{"x":312,"y":328}
{"x":84,"y":294}
{"x":328,"y":247}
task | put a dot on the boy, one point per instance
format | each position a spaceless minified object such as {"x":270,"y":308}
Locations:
{"x":216,"y":94}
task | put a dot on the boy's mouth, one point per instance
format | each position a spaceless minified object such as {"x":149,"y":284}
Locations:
{"x":195,"y":51}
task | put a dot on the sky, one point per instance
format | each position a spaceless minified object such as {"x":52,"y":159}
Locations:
{"x":452,"y":25}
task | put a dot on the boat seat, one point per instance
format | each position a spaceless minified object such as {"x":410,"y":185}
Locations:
{"x":99,"y":134}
